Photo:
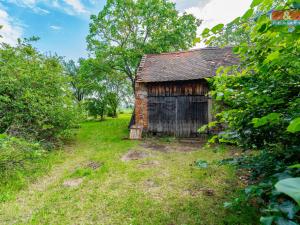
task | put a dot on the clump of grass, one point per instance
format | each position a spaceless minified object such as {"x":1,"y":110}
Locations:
{"x":81,"y":172}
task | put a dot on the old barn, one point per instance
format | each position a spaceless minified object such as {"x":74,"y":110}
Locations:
{"x":171,"y":92}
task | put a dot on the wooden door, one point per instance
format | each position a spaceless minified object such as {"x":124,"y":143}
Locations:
{"x":181,"y":116}
{"x":162,"y":115}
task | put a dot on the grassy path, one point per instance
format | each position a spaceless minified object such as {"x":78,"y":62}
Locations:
{"x":162,"y":188}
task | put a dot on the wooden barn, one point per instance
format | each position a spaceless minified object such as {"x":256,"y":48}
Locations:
{"x":171,"y":92}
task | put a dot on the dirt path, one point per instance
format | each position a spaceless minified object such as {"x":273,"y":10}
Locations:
{"x":108,"y":180}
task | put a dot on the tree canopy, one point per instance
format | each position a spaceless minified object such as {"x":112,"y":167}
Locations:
{"x":126,"y":30}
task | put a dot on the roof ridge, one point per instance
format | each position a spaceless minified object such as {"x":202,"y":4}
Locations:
{"x":190,"y":50}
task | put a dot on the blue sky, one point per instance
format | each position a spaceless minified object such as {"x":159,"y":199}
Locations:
{"x":63,"y":25}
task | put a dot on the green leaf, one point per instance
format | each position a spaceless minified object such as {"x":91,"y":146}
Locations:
{"x":267,"y":220}
{"x":203,"y":129}
{"x":201,"y":163}
{"x":262,"y":28}
{"x":236,"y":49}
{"x":205,"y":32}
{"x":294,"y":126}
{"x":196,"y":40}
{"x":255,"y":3}
{"x":248,"y":14}
{"x":272,"y":56}
{"x":217,"y":28}
{"x":3,"y":136}
{"x":270,"y":118}
{"x":296,"y":166}
{"x":290,"y":187}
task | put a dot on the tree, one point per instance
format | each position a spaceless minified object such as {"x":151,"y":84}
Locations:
{"x":232,"y":34}
{"x":71,"y":70}
{"x":102,"y":86}
{"x":97,"y":102}
{"x":112,"y":103}
{"x":126,"y":30}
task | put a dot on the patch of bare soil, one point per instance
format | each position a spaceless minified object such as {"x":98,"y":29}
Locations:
{"x":73,"y":182}
{"x":134,"y":155}
{"x":180,"y":147}
{"x":150,"y":164}
{"x":172,"y":147}
{"x":151,"y":184}
{"x":155,"y":147}
{"x":195,"y":191}
{"x":93,"y":165}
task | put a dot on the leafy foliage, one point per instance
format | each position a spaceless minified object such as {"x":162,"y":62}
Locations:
{"x":15,"y":153}
{"x":104,"y":89}
{"x":34,"y":98}
{"x":125,"y":30}
{"x":258,"y":104}
{"x":79,"y":84}
{"x":20,"y":161}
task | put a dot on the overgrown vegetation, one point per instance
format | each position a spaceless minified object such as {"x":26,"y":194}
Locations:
{"x":35,"y":102}
{"x":21,"y":162}
{"x":259,"y":106}
{"x":42,"y":98}
{"x":37,"y":113}
{"x":98,"y":91}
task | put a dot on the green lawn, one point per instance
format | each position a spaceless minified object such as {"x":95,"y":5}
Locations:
{"x":162,"y":188}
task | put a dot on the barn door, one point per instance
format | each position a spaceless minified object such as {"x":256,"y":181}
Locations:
{"x":192,"y":113}
{"x":162,"y":114}
{"x":178,"y":115}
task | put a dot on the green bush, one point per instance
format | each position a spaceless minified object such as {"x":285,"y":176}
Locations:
{"x":35,"y":102}
{"x":16,"y":153}
{"x":258,"y":104}
{"x":20,"y":162}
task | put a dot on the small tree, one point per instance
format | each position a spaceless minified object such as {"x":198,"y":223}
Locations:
{"x":112,"y":103}
{"x":97,"y":102}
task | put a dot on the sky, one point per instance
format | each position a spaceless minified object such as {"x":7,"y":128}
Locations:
{"x":63,"y":25}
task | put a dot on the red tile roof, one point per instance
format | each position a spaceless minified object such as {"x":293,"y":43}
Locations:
{"x":185,"y":65}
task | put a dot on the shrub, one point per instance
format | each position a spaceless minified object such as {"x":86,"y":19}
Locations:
{"x":35,"y":102}
{"x":19,"y":161}
{"x":259,"y":106}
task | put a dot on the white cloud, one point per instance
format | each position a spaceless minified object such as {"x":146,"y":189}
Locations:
{"x":219,"y":11}
{"x":53,"y":27}
{"x":32,"y":4}
{"x":71,"y":7}
{"x":76,"y":5}
{"x":10,"y":31}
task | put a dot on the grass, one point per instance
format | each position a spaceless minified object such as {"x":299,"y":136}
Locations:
{"x":163,"y":188}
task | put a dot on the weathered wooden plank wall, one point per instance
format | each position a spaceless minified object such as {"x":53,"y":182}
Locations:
{"x":179,"y":88}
